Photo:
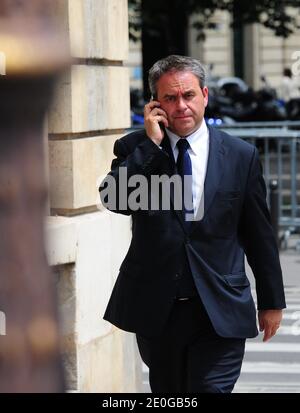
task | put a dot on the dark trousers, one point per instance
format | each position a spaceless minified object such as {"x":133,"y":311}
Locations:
{"x":189,"y":356}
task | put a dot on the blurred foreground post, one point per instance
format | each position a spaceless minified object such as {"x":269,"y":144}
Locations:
{"x":32,"y":53}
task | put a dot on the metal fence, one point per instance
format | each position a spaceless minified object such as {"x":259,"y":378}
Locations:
{"x":286,"y":124}
{"x":280,"y":156}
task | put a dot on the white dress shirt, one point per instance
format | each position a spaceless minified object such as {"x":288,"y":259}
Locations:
{"x":198,"y":151}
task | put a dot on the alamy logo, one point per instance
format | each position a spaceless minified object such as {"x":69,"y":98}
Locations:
{"x":296,"y":64}
{"x":154,"y":194}
{"x":2,"y":64}
{"x":2,"y":324}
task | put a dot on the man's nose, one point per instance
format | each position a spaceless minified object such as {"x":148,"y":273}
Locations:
{"x":181,"y":104}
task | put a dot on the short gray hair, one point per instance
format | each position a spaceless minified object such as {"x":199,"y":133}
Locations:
{"x":175,"y":63}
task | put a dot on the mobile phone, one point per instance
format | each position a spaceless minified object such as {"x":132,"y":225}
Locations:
{"x":161,"y":125}
{"x":154,"y":96}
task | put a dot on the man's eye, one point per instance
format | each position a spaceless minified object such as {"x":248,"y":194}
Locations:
{"x":170,"y":99}
{"x":189,"y":95}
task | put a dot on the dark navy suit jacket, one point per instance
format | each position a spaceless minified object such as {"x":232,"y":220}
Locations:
{"x":236,"y":222}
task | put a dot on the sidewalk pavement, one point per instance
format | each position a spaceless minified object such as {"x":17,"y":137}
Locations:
{"x":290,"y":263}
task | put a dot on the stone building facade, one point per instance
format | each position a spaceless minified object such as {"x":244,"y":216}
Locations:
{"x":263,"y":52}
{"x":86,"y":245}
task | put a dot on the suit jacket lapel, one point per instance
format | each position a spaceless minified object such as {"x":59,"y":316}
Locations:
{"x":165,"y":144}
{"x":214,"y":171}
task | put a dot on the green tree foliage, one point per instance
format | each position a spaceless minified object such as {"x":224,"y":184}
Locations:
{"x":273,"y":14}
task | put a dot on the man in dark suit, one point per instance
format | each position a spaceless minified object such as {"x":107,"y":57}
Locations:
{"x":182,"y":287}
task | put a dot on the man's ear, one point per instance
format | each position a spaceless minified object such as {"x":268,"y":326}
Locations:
{"x":205,"y":95}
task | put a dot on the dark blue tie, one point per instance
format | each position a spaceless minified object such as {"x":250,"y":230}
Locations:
{"x":184,"y":168}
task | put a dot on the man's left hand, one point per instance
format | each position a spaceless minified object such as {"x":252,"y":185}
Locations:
{"x":269,"y":321}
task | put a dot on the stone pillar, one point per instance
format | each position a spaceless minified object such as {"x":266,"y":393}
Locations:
{"x":252,"y":56}
{"x":90,"y":111}
{"x":270,"y":56}
{"x":217,"y":48}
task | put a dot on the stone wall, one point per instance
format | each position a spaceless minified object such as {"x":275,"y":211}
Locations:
{"x":275,"y":54}
{"x":264,"y":53}
{"x":217,"y":47}
{"x":85,"y":245}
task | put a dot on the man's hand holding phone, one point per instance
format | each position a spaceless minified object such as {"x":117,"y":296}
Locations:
{"x":154,"y":118}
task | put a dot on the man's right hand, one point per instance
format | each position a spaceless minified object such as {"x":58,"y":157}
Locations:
{"x":153,"y":115}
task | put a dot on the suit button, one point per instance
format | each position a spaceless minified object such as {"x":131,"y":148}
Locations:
{"x":187,"y":240}
{"x":177,"y":276}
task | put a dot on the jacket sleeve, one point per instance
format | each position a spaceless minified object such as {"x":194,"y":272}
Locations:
{"x":143,"y":161}
{"x":259,"y":242}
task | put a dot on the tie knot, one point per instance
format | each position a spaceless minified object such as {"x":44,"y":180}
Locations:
{"x":183,"y":145}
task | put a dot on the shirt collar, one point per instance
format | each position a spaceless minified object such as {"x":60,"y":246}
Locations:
{"x":194,"y":139}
